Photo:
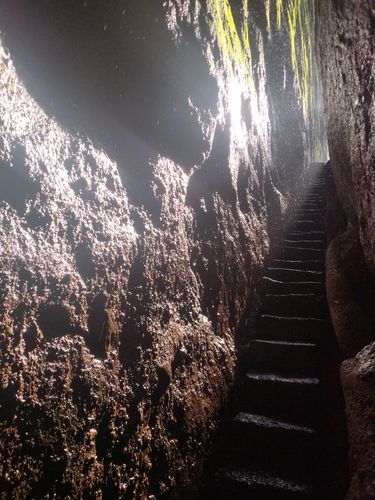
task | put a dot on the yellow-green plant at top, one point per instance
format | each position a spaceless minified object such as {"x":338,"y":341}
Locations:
{"x":299,"y":19}
{"x":279,"y":12}
{"x":234,"y":43}
{"x":300,"y":31}
{"x":267,"y":4}
{"x":234,"y":46}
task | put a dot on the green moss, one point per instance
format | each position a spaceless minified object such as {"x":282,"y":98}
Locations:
{"x":279,"y":12}
{"x":296,"y":17}
{"x":234,"y":46}
{"x":267,"y":4}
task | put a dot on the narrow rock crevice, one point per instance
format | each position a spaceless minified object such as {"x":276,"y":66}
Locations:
{"x":286,"y":436}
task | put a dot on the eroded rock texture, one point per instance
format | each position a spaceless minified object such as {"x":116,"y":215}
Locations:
{"x":345,"y":39}
{"x":358,"y":375}
{"x":128,"y":259}
{"x":345,"y":34}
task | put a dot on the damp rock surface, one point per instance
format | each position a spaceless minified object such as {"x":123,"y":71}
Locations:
{"x":140,"y":182}
{"x":358,"y":376}
{"x":346,"y":52}
{"x":345,"y":46}
{"x":350,"y":293}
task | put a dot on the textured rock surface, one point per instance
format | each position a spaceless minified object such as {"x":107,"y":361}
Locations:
{"x":358,"y":376}
{"x":346,"y":53}
{"x":125,"y":273}
{"x":350,"y":293}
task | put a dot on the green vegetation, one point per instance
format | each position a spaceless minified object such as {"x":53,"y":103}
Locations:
{"x":279,"y":12}
{"x":234,"y":43}
{"x":300,"y":31}
{"x":267,"y":4}
{"x":296,"y":17}
{"x":234,"y":46}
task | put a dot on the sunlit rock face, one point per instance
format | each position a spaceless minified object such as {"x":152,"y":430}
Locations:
{"x":143,"y":171}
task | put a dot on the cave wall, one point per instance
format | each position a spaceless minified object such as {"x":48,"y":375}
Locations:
{"x":345,"y":47}
{"x":140,"y":181}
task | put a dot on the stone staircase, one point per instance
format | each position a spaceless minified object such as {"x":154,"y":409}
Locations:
{"x":271,"y":448}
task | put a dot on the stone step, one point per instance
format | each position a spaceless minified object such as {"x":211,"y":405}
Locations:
{"x":306,"y":305}
{"x":315,"y":195}
{"x":235,"y":483}
{"x":313,"y":198}
{"x":291,"y":328}
{"x":270,"y":442}
{"x":287,"y":275}
{"x":273,"y":286}
{"x":315,"y":188}
{"x":299,"y":242}
{"x":293,"y":399}
{"x":321,"y":211}
{"x":310,"y":213}
{"x":285,"y":357}
{"x":298,"y":253}
{"x":320,"y":185}
{"x":304,"y":265}
{"x":305,"y":205}
{"x":307,"y":225}
{"x":307,"y":235}
{"x":310,"y":195}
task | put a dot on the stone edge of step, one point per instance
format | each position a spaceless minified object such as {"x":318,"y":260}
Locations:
{"x":250,"y":479}
{"x":281,"y":379}
{"x":263,"y":422}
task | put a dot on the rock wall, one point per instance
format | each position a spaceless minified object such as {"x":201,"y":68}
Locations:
{"x":142,"y":174}
{"x":346,"y":52}
{"x":345,"y":46}
{"x":358,"y":377}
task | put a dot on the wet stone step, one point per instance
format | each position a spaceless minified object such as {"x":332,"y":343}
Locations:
{"x":259,"y":438}
{"x":291,"y":328}
{"x":244,"y":484}
{"x":318,"y":187}
{"x":286,"y":275}
{"x":311,"y":213}
{"x":305,"y":305}
{"x":312,"y":205}
{"x":311,"y":195}
{"x":280,"y":287}
{"x":306,"y":225}
{"x":288,"y":358}
{"x":315,"y":210}
{"x":315,"y":195}
{"x":292,"y":399}
{"x":307,"y":235}
{"x":298,"y":253}
{"x":315,"y":189}
{"x":314,"y":198}
{"x":313,"y":218}
{"x":318,"y":243}
{"x":303,"y":265}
